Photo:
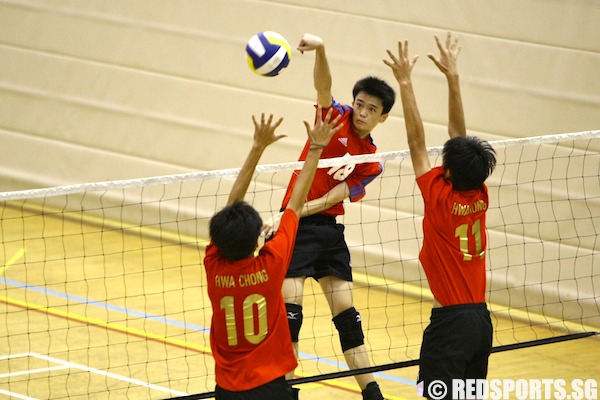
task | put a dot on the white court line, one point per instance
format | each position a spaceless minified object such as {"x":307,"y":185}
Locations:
{"x":14,"y":356}
{"x":110,"y":375}
{"x":16,"y":395}
{"x":65,"y":364}
{"x":33,"y":371}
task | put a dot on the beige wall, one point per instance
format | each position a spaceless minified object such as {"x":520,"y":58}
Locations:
{"x":109,"y":89}
{"x":96,"y":90}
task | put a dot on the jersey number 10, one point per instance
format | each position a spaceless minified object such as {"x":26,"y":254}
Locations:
{"x":249,"y":317}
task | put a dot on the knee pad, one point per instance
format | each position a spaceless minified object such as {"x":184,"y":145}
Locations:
{"x":349,"y":326}
{"x":294,"y":316}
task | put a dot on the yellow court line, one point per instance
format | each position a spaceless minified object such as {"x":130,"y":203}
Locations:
{"x":108,"y":325}
{"x":142,"y":333}
{"x":18,"y":255}
{"x":152,"y":336}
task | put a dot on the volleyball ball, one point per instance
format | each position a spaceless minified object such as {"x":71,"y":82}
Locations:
{"x":268,"y":53}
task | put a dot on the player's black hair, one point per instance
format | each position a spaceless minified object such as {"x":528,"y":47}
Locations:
{"x":469,"y":160}
{"x":235,"y":230}
{"x":376,"y":87}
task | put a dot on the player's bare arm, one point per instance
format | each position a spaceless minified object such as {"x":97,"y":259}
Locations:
{"x":321,"y":73}
{"x":315,"y":206}
{"x":264,"y":135}
{"x":402,"y":67}
{"x":336,"y":195}
{"x":319,"y":137}
{"x":447,"y":64}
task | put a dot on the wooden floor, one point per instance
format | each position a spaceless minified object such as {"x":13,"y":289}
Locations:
{"x":113,"y":313}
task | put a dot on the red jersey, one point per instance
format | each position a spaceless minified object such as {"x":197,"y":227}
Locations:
{"x":250,"y":336}
{"x":357,"y":176}
{"x":454,"y":240}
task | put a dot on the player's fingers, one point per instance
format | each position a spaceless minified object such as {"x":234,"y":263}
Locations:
{"x":277,"y":123}
{"x":335,"y":120}
{"x":279,"y":137}
{"x":308,"y":129}
{"x":448,"y":39}
{"x":335,"y":129}
{"x":392,"y":56}
{"x":435,"y":60}
{"x":328,"y":116}
{"x":439,"y":43}
{"x":405,"y":53}
{"x":455,"y":43}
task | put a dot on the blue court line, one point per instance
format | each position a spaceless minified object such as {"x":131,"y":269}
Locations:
{"x":104,"y":305}
{"x":177,"y":323}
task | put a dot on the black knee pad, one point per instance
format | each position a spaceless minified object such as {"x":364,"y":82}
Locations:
{"x":294,"y":315}
{"x":349,"y":326}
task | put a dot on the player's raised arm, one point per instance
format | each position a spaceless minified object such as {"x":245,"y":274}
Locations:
{"x":447,"y":64}
{"x":264,"y":135}
{"x":402,"y":68}
{"x":319,"y":137}
{"x":321,"y":73}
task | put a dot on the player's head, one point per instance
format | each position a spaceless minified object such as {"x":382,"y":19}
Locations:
{"x":378,"y":88}
{"x":468,"y":161}
{"x":235,"y":230}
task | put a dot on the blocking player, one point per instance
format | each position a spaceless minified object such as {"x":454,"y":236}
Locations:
{"x":458,"y":340}
{"x":321,"y":251}
{"x":249,"y":336}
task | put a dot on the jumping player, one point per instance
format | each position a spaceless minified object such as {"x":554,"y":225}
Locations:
{"x":458,"y":340}
{"x":249,"y":335}
{"x":321,"y":251}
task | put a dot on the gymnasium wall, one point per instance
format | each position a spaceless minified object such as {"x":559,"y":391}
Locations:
{"x":100,"y":90}
{"x":109,"y":89}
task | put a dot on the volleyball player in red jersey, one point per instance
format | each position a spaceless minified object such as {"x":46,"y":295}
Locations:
{"x":458,"y":340}
{"x":249,"y":335}
{"x":321,"y":251}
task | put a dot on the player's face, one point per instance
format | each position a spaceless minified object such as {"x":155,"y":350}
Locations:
{"x":368,"y":112}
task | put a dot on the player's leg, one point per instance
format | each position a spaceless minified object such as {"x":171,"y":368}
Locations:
{"x":292,"y":290}
{"x":477,"y":368}
{"x":338,"y":293}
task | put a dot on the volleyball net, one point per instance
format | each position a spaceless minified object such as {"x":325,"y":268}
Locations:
{"x":102,"y":287}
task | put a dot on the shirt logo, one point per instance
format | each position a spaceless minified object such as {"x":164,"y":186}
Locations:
{"x":344,"y":141}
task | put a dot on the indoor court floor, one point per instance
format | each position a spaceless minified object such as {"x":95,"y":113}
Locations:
{"x":119,"y":313}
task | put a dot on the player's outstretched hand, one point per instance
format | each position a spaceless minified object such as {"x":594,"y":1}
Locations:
{"x":402,"y":65}
{"x":324,"y":129}
{"x":271,"y":225}
{"x":448,"y":55}
{"x":264,"y":131}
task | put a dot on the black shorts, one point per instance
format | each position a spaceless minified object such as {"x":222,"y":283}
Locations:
{"x":274,"y":390}
{"x":456,"y":345}
{"x":320,"y":249}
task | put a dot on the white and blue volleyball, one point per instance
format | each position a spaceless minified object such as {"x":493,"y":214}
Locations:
{"x":268,"y":53}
